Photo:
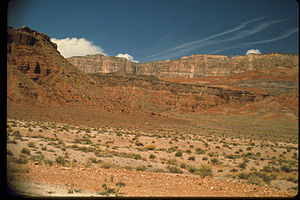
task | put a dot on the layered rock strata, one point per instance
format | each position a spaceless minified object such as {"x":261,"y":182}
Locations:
{"x":187,"y":67}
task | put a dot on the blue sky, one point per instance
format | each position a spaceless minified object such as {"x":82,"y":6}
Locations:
{"x":148,"y":30}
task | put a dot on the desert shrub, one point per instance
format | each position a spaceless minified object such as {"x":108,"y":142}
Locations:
{"x":183,"y":165}
{"x":26,"y":151}
{"x":133,"y":155}
{"x":267,"y":169}
{"x":21,"y":160}
{"x":205,"y":158}
{"x":47,"y":162}
{"x":9,"y":153}
{"x":150,"y":147}
{"x":191,"y":158}
{"x":192,"y":169}
{"x":266,"y":178}
{"x":188,"y":151}
{"x":214,"y":160}
{"x":286,"y":168}
{"x":31,"y":145}
{"x":152,"y":156}
{"x":233,"y":170}
{"x":141,"y":168}
{"x":293,"y":179}
{"x":178,"y":154}
{"x":205,"y":170}
{"x":174,"y":169}
{"x":112,"y":191}
{"x":231,"y":156}
{"x":106,"y":165}
{"x":60,"y":160}
{"x":37,"y":158}
{"x":128,"y":167}
{"x":172,"y":161}
{"x":255,"y":179}
{"x":242,"y":165}
{"x":200,"y":151}
{"x":243,"y":175}
{"x":138,"y":143}
{"x":92,"y":160}
{"x":171,"y":149}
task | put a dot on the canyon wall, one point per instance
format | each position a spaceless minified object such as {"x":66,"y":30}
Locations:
{"x":38,"y":75}
{"x":186,"y":67}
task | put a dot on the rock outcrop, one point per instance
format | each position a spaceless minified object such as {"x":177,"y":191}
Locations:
{"x":38,"y":74}
{"x":103,"y":64}
{"x":187,"y":67}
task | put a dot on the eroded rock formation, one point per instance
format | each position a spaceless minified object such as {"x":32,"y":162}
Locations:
{"x":187,"y":67}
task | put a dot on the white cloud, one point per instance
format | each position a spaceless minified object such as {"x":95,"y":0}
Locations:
{"x":69,"y":47}
{"x":127,"y":56}
{"x":254,"y":51}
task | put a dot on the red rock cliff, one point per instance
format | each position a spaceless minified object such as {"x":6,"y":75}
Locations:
{"x":188,"y":66}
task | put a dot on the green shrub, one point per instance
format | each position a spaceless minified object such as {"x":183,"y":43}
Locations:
{"x":200,"y":151}
{"x":26,"y":151}
{"x":141,"y":168}
{"x":31,"y":145}
{"x":106,"y":165}
{"x":9,"y":153}
{"x":267,"y":169}
{"x":183,"y":165}
{"x":205,"y":170}
{"x":152,"y":156}
{"x":205,"y":158}
{"x":243,"y":175}
{"x":47,"y":161}
{"x":242,"y":165}
{"x":172,"y":161}
{"x":150,"y":147}
{"x":178,"y":154}
{"x":286,"y":168}
{"x":214,"y":161}
{"x":191,"y":158}
{"x":21,"y":160}
{"x":192,"y":169}
{"x":255,"y":179}
{"x":174,"y":169}
{"x":138,"y":143}
{"x":60,"y":160}
{"x":92,"y":160}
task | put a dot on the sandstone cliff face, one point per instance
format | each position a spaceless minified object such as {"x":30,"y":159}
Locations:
{"x":103,"y":64}
{"x":39,"y":75}
{"x":187,"y":67}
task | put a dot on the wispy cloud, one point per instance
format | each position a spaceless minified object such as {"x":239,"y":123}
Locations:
{"x":245,"y":44}
{"x":239,"y":31}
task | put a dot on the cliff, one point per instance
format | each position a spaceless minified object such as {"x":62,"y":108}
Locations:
{"x":103,"y":64}
{"x":187,"y":67}
{"x":38,"y":75}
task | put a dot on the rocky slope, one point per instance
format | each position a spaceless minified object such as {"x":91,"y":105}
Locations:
{"x":39,"y":75}
{"x":187,"y":67}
